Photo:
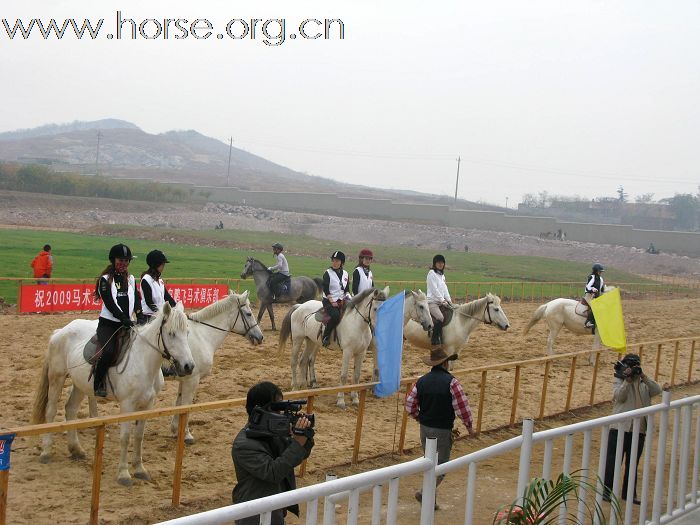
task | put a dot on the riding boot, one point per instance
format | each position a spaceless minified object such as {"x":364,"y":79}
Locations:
{"x":327,"y":331}
{"x":99,"y":378}
{"x":590,"y":321}
{"x":436,"y":338}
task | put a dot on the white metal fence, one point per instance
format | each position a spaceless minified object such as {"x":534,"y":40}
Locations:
{"x":668,"y":482}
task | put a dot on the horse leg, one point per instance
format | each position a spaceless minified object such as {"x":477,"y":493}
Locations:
{"x":271,"y":313}
{"x":55,"y":387}
{"x":596,"y":346}
{"x":553,"y":333}
{"x":137,"y":459}
{"x":72,"y":406}
{"x":375,"y":366}
{"x":295,"y":357}
{"x":92,"y":403}
{"x":357,"y":371}
{"x":343,"y":378}
{"x":312,"y":349}
{"x":185,"y":396}
{"x":263,"y":307}
{"x":123,"y":476}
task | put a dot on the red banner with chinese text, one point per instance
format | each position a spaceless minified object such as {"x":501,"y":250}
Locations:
{"x":77,"y":297}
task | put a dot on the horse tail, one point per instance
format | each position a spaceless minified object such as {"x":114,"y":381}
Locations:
{"x":286,"y":329}
{"x":41,"y":396}
{"x":539,"y":314}
{"x":319,"y":285}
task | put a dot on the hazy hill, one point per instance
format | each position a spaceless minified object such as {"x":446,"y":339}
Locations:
{"x":177,"y":156}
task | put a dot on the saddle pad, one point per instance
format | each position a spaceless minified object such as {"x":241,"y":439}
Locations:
{"x":447,"y":314}
{"x":91,"y":348}
{"x":322,"y":317}
{"x":582,"y":308}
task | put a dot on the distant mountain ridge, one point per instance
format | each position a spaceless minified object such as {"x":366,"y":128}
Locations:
{"x":185,"y":156}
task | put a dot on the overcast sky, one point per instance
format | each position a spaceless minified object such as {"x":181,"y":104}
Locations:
{"x":570,"y":97}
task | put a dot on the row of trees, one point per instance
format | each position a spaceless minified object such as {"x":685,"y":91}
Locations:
{"x":684,"y":206}
{"x":39,"y":179}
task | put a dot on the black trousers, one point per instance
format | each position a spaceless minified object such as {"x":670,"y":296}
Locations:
{"x":277,"y":280}
{"x":334,"y":314}
{"x":107,"y":333}
{"x":626,"y":450}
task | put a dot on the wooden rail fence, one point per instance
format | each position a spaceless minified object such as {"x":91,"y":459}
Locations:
{"x":655,"y":348}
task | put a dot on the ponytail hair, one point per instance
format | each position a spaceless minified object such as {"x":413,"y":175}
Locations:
{"x":109,"y":270}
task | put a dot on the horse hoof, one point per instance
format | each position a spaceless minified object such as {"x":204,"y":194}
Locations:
{"x":77,"y":454}
{"x":341,"y":405}
{"x":44,"y":458}
{"x":189,"y":440}
{"x":126,"y":482}
{"x":143,"y":475}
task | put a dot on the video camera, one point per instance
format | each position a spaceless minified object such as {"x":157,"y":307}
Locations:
{"x":275,"y":419}
{"x":626,"y":369}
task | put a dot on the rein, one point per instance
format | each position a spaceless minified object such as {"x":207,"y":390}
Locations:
{"x":487,"y":313}
{"x":230,"y":330}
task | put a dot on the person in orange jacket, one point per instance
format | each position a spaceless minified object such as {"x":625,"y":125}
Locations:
{"x":43,"y":265}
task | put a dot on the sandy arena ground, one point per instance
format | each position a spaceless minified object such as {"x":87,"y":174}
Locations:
{"x":59,"y":492}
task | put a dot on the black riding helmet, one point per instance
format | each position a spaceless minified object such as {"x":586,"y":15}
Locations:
{"x":438,"y":258}
{"x":155,"y":258}
{"x":338,"y":255}
{"x":120,"y":251}
{"x":597,"y":267}
{"x":278,"y":246}
{"x":631,"y":360}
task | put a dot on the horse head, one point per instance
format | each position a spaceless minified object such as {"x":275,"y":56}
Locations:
{"x":248,"y":267}
{"x":378,"y":297}
{"x":244,"y":321}
{"x":173,"y":332}
{"x":420,"y":312}
{"x":494,"y":314}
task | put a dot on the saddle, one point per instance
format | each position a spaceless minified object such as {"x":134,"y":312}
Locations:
{"x":322,"y":317}
{"x":447,"y":314}
{"x":582,"y":307}
{"x":92,"y":351}
{"x":279,"y":284}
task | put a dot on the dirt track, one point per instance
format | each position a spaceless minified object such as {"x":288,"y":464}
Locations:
{"x":59,"y":492}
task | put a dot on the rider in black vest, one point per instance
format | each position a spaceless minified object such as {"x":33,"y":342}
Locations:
{"x":594,"y":287}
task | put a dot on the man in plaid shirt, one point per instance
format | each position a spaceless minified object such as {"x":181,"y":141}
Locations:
{"x":435,"y":400}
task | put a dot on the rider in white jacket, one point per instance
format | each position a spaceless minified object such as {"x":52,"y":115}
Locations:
{"x":438,"y":295}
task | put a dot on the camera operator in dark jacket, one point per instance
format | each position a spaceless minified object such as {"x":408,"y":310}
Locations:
{"x":267,"y":449}
{"x":632,"y":389}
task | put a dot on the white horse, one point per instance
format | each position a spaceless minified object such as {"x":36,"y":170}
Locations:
{"x":134,"y":383}
{"x":465,"y":318}
{"x":354,"y":337}
{"x":564,"y":313}
{"x":207,"y":330}
{"x":415,"y":307}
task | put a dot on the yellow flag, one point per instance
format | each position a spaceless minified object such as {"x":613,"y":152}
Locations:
{"x":609,"y":320}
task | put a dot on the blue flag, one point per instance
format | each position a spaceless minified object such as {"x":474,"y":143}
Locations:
{"x":389,"y":339}
{"x":5,"y":449}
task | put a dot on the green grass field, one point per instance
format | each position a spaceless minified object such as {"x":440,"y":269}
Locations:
{"x":200,"y":254}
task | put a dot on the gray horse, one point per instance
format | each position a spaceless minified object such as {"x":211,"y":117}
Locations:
{"x":301,"y":289}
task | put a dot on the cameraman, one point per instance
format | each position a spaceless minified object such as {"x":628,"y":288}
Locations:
{"x":632,"y":389}
{"x":265,"y":461}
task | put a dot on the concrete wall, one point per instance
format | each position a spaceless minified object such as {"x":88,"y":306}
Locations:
{"x":685,"y":243}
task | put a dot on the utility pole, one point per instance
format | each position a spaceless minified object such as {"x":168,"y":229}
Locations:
{"x":97,"y":155}
{"x":459,"y":159}
{"x":228,"y":170}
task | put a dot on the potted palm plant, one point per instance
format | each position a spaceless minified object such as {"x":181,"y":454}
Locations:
{"x":543,"y":498}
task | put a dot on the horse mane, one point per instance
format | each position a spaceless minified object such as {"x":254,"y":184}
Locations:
{"x":213,"y":309}
{"x":360,"y":297}
{"x":261,"y":264}
{"x":472,"y":307}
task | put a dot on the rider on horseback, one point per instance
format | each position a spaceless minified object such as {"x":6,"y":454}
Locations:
{"x":335,"y":293}
{"x":594,"y":287}
{"x":154,"y":294}
{"x":281,"y":275}
{"x":438,"y":295}
{"x":362,"y":277}
{"x":120,"y":300}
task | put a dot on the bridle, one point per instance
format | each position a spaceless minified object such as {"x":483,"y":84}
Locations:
{"x":246,"y":324}
{"x":367,"y":319}
{"x":165,"y":353}
{"x":487,"y":313}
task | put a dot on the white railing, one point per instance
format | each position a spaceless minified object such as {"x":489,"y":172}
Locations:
{"x":670,"y":470}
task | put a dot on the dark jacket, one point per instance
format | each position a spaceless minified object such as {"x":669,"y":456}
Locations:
{"x":265,"y":466}
{"x":435,"y":399}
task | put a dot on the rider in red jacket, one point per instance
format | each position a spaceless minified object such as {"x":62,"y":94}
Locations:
{"x":43,"y":265}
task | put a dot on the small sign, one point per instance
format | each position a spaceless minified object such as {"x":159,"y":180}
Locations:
{"x":5,"y":446}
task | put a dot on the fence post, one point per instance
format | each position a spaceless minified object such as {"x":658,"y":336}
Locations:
{"x":309,"y":410}
{"x":545,"y":380}
{"x":404,"y":421}
{"x":572,"y":374}
{"x":328,"y":505}
{"x":685,"y":456}
{"x":97,"y":475}
{"x":692,"y":358}
{"x":516,"y":388}
{"x":481,"y":402}
{"x":358,"y":426}
{"x":427,"y":510}
{"x":525,"y":453}
{"x":595,"y":378}
{"x":179,"y":454}
{"x":658,"y":361}
{"x":675,"y":362}
{"x":4,"y":485}
{"x":661,"y":457}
